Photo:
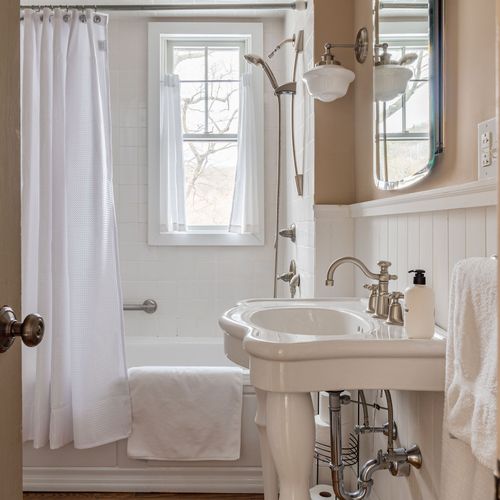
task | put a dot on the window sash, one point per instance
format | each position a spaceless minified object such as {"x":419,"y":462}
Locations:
{"x":210,"y":137}
{"x":204,"y":43}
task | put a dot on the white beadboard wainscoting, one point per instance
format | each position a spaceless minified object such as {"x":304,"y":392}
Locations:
{"x":431,"y":230}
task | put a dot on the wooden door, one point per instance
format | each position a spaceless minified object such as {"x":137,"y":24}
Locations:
{"x":10,"y":250}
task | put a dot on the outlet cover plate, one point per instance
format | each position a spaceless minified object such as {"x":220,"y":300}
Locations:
{"x":487,"y":149}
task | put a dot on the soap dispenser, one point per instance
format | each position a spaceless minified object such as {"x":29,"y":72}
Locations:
{"x":419,"y":308}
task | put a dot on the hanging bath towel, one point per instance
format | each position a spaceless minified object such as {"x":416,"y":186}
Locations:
{"x":185,"y":413}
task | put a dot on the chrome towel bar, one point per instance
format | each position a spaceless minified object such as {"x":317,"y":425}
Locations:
{"x":148,"y":306}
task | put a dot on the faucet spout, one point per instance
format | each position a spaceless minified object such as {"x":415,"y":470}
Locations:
{"x":353,"y":260}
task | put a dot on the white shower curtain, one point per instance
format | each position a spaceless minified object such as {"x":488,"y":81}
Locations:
{"x":173,"y":201}
{"x":245,"y":209}
{"x":75,"y":382}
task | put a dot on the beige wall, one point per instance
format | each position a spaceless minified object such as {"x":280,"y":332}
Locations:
{"x":334,"y":122}
{"x":344,"y":163}
{"x":469,"y":97}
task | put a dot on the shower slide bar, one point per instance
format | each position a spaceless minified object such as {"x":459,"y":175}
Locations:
{"x":148,"y":306}
{"x":298,"y":5}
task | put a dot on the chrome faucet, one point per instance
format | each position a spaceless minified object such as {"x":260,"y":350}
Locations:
{"x":382,"y":278}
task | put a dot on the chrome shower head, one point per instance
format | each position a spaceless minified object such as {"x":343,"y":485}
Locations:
{"x":258,"y":61}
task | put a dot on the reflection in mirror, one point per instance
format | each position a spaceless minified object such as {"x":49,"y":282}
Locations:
{"x":407,"y":90}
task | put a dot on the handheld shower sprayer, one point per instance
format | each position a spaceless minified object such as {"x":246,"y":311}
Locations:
{"x":258,"y":61}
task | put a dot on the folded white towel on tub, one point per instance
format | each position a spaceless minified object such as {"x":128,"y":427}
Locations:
{"x":185,"y":413}
{"x":471,"y":358}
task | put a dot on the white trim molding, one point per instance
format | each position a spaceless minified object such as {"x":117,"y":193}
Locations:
{"x":154,"y":480}
{"x":471,"y":194}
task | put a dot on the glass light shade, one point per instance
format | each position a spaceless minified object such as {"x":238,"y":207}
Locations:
{"x":328,"y":82}
{"x":390,"y":81}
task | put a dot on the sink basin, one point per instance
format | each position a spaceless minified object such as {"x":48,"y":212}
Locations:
{"x":306,"y":321}
{"x":330,"y":344}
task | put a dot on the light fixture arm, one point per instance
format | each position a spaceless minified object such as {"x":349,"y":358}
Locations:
{"x":360,"y":47}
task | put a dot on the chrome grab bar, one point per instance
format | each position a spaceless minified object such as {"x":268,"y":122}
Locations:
{"x":148,"y":306}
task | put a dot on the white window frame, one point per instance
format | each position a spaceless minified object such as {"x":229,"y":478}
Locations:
{"x":252,"y":34}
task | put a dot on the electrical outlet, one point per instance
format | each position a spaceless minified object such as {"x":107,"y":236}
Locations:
{"x":485,"y":158}
{"x":485,"y":139}
{"x":487,"y":149}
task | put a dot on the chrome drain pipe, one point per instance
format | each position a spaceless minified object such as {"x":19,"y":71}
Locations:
{"x":397,"y":460}
{"x":337,"y":466}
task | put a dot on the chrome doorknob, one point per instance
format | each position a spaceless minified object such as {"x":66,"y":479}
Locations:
{"x":30,"y":330}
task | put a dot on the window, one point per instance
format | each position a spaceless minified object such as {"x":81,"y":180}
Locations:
{"x":209,"y":72}
{"x":208,"y":60}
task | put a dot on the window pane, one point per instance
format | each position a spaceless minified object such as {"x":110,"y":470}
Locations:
{"x":406,"y":157}
{"x":224,"y":63}
{"x":193,"y":107}
{"x":189,"y":63}
{"x":223,"y":103}
{"x":210,"y":172}
{"x":417,"y":107}
{"x":394,"y":110}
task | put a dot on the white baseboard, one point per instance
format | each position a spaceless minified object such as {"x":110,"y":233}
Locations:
{"x":154,"y":480}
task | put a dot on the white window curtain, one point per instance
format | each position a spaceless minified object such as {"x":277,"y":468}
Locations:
{"x":172,"y":195}
{"x":245,"y":209}
{"x":75,"y":384}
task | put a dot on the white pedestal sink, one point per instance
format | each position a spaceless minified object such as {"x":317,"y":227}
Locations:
{"x":295,"y":347}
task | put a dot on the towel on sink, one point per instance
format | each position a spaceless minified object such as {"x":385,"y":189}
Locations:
{"x":471,"y":358}
{"x":185,"y":413}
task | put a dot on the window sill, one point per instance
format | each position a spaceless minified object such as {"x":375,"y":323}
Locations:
{"x":197,"y":239}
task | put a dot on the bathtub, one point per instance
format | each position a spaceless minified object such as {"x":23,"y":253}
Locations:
{"x":107,"y":468}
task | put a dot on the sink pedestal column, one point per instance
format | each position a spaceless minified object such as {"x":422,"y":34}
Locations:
{"x":270,"y":476}
{"x":290,"y":432}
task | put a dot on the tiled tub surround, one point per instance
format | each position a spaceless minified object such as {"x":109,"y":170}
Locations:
{"x":192,"y":285}
{"x":299,"y":209}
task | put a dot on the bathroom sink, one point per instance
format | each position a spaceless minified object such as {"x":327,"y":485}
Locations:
{"x":307,"y":321}
{"x":330,"y":344}
{"x":297,"y":347}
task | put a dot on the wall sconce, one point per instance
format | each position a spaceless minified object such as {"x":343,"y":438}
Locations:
{"x":329,"y":80}
{"x":390,"y":76}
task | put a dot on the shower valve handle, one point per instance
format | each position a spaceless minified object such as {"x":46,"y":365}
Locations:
{"x":31,"y":330}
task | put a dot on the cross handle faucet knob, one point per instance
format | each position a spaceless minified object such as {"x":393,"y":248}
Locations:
{"x":384,"y":270}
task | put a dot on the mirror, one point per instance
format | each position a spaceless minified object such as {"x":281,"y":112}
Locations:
{"x":407,"y":89}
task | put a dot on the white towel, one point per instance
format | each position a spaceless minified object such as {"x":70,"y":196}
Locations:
{"x":185,"y":413}
{"x":471,"y":358}
{"x":462,"y":477}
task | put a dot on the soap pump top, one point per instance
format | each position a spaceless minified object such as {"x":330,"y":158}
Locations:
{"x":419,"y":278}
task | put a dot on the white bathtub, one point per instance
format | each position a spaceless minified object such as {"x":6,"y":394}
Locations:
{"x":107,"y":468}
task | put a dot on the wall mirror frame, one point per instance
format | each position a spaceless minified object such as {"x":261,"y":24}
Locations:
{"x":408,"y":105}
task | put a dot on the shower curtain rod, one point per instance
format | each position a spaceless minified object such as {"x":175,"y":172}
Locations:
{"x":172,"y":7}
